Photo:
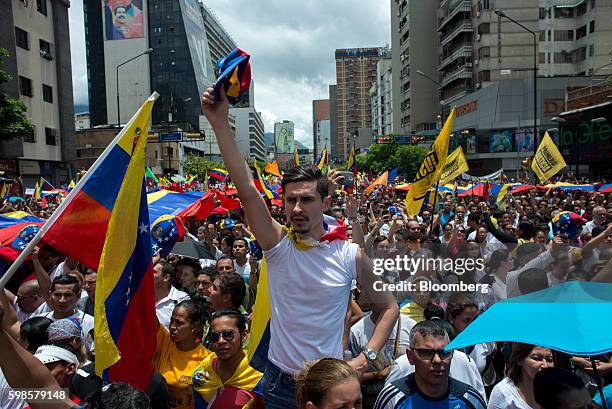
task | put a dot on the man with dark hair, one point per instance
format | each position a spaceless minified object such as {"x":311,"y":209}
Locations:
{"x":205,"y":279}
{"x":225,"y":265}
{"x":166,"y":295}
{"x":225,"y":379}
{"x":429,"y":385}
{"x":532,"y":280}
{"x":65,"y":292}
{"x":87,"y":304}
{"x":558,"y":388}
{"x":310,"y":250}
{"x":227,"y":291}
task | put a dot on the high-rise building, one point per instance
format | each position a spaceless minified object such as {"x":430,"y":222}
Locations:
{"x":333,"y":122}
{"x":382,"y":96}
{"x":321,"y":126}
{"x":36,"y":36}
{"x":355,"y":73}
{"x":284,"y":137}
{"x":414,"y":44}
{"x":249,"y":132}
{"x":185,"y":38}
{"x":220,"y":42}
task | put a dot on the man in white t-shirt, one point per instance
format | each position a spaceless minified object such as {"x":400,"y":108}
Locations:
{"x":65,"y":292}
{"x":166,"y":295}
{"x":310,"y":267}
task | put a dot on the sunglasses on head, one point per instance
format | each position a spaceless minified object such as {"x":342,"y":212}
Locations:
{"x":227,"y":335}
{"x":428,"y":354}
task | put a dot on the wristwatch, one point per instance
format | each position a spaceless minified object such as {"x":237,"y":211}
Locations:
{"x":370,"y":354}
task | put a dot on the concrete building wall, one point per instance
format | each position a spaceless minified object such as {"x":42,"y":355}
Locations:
{"x":320,"y":112}
{"x":382,"y":98}
{"x":249,"y":133}
{"x":333,"y":122}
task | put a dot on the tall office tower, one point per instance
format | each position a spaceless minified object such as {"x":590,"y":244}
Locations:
{"x":35,"y":34}
{"x":355,"y":73}
{"x":414,"y":44}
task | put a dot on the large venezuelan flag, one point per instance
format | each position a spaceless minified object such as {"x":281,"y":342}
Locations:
{"x":105,"y":225}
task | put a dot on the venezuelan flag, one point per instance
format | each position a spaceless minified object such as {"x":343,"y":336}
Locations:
{"x":37,"y":192}
{"x":218,"y":174}
{"x":296,"y":158}
{"x":262,"y":185}
{"x":104,"y":223}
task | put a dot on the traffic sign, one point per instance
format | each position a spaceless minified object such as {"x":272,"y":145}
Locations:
{"x":402,"y":139}
{"x":171,"y":136}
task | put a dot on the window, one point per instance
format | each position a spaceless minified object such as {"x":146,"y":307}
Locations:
{"x":548,"y":36}
{"x":581,"y":9}
{"x":484,"y":28}
{"x":30,"y":136}
{"x":484,"y":52}
{"x":484,"y":75}
{"x":592,"y":26}
{"x":543,"y":35}
{"x":51,"y":136}
{"x":591,"y":50}
{"x":542,"y":58}
{"x":543,"y":13}
{"x":562,"y":57}
{"x":25,"y":86}
{"x":579,"y":54}
{"x":564,"y":12}
{"x":592,"y":4}
{"x":581,"y":32}
{"x":41,"y":6}
{"x":47,"y":93}
{"x":564,"y":35}
{"x":21,"y":38}
{"x":45,"y":49}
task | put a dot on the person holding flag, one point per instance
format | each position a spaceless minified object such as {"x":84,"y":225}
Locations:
{"x":310,"y":252}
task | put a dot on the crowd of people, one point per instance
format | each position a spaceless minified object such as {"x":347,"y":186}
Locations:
{"x":343,"y":331}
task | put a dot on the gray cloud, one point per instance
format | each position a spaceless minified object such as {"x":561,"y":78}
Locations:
{"x":292,"y":46}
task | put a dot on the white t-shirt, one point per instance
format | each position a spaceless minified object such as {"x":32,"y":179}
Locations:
{"x":505,"y":396}
{"x":7,"y":402}
{"x":24,"y":316}
{"x":165,"y":306}
{"x":309,"y":293}
{"x":361,"y":333}
{"x":86,"y":321}
{"x":462,"y":368}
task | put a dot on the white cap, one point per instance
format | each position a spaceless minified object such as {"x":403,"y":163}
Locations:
{"x":51,"y":353}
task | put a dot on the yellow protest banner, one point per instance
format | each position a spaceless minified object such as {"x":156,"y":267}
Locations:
{"x":547,"y":160}
{"x":431,"y":168}
{"x":454,"y":166}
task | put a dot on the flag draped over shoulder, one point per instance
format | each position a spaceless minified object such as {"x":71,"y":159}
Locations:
{"x":431,"y":168}
{"x":547,"y":161}
{"x":454,"y":166}
{"x":104,"y":223}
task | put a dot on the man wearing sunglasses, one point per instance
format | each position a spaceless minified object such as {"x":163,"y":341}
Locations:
{"x":430,"y":385}
{"x":225,"y":379}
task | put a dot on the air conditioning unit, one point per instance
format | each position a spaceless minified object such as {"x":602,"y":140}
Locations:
{"x":478,"y":85}
{"x":468,"y":64}
{"x":477,"y":14}
{"x":475,"y":62}
{"x":477,"y":37}
{"x":402,"y":57}
{"x":399,"y":14}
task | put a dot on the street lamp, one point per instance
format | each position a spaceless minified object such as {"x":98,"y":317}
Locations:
{"x":501,"y":13}
{"x":422,"y":74}
{"x":147,"y":51}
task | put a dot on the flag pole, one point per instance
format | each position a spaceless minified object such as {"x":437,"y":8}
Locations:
{"x":60,"y":209}
{"x":433,"y":210}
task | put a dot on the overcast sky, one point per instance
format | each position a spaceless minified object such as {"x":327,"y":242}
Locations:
{"x":291,"y":44}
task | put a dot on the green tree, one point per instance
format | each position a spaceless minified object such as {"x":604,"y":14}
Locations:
{"x":383,"y":157}
{"x":13,"y":120}
{"x":199,"y":166}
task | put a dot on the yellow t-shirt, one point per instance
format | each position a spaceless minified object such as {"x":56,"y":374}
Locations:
{"x":177,"y":368}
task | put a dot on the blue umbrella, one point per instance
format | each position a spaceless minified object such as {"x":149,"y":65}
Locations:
{"x":14,"y":199}
{"x":565,"y":317}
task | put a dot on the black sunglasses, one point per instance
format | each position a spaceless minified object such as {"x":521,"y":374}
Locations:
{"x":227,"y":335}
{"x":428,"y":354}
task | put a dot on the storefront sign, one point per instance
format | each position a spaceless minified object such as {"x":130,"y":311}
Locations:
{"x":466,"y":108}
{"x":29,"y":167}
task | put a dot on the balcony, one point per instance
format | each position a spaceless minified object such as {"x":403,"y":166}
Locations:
{"x":590,"y":95}
{"x":463,"y":71}
{"x":463,"y":50}
{"x":462,"y":27}
{"x":463,"y":6}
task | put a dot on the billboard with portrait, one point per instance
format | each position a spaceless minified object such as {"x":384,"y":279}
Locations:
{"x":470,"y":144}
{"x":523,"y":138}
{"x":500,"y":141}
{"x":122,"y":19}
{"x":284,"y":137}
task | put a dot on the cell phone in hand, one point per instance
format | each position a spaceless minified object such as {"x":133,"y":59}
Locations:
{"x":348,"y":179}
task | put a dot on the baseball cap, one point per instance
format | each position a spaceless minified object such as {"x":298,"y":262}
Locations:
{"x":50,"y":353}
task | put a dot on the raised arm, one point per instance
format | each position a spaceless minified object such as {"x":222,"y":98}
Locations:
{"x":42,"y":276}
{"x":267,"y":230}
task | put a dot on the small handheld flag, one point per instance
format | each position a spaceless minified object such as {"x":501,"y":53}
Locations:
{"x":234,"y":72}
